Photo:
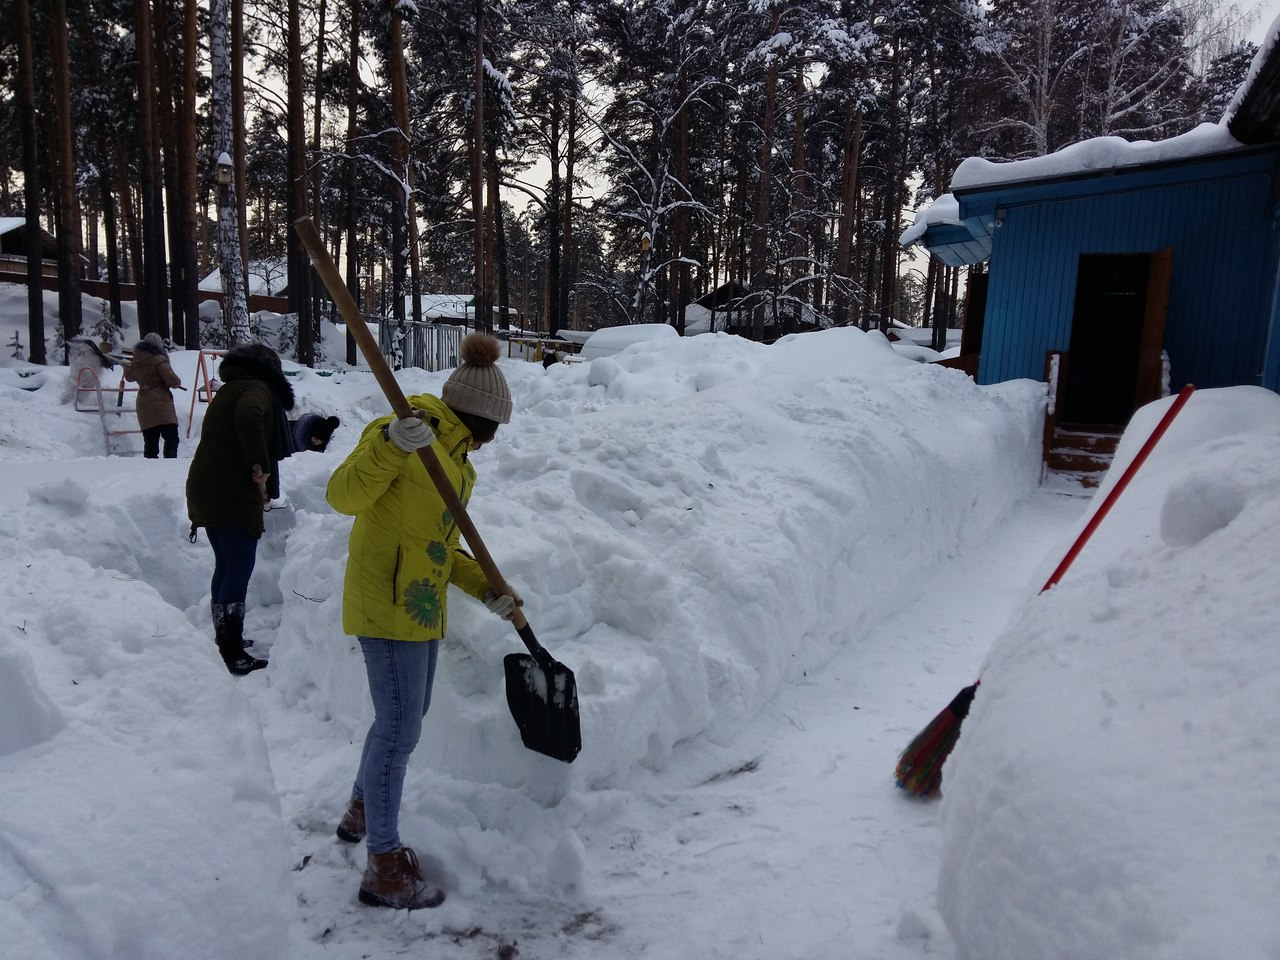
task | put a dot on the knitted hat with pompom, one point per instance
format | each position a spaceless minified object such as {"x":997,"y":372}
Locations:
{"x":477,"y":386}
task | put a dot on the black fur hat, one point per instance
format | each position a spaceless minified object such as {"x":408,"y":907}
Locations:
{"x":260,"y":362}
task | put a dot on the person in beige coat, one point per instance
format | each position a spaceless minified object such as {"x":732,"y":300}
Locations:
{"x":155,"y":378}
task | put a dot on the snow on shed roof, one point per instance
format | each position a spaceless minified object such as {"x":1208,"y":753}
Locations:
{"x":1098,"y":154}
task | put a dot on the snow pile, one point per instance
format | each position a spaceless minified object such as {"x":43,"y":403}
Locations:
{"x":1099,"y":153}
{"x":138,"y":817}
{"x":942,"y":211}
{"x":768,"y":567}
{"x":651,"y":507}
{"x":1114,"y":791}
{"x":692,"y":524}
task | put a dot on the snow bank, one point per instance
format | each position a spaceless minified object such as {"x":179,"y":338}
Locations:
{"x":691,"y":524}
{"x":1089,"y":803}
{"x":138,"y":817}
{"x":708,"y":519}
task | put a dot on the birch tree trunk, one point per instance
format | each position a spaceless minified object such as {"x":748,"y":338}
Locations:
{"x":240,"y":196}
{"x":235,"y":311}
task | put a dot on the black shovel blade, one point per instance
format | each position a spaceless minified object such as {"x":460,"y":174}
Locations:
{"x":544,"y":702}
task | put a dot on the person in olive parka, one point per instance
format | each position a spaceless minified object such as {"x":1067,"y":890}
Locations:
{"x":233,"y":478}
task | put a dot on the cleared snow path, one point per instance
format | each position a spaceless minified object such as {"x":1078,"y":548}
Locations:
{"x":829,"y":859}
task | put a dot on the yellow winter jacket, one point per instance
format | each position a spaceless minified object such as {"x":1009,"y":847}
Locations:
{"x":404,"y":546}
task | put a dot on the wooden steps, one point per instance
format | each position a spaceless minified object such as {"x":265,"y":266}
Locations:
{"x":1082,"y":454}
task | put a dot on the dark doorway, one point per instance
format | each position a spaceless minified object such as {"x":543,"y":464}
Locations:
{"x":1117,"y":330}
{"x":975,"y":312}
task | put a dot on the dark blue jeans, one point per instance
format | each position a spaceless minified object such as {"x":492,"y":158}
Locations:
{"x":401,"y":673}
{"x":234,"y":552}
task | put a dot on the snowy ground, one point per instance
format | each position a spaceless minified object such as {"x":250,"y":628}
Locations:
{"x":769,"y":567}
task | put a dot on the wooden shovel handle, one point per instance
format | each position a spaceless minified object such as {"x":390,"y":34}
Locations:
{"x":333,"y":282}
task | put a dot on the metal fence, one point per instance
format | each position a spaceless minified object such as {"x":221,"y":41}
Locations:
{"x":427,"y":345}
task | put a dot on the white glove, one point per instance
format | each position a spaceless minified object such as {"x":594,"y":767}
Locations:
{"x":410,"y":434}
{"x":503,"y":604}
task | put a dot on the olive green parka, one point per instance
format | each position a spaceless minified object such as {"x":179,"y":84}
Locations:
{"x":404,"y":546}
{"x":244,"y":425}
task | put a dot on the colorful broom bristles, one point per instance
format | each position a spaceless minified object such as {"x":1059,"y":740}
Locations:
{"x":920,"y":765}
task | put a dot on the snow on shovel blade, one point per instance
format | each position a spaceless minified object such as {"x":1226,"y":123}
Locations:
{"x":543,"y":697}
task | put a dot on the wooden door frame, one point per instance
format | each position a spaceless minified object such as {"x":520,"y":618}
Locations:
{"x":1150,"y":375}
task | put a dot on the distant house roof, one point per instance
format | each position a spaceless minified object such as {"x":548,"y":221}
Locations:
{"x":721,"y":295}
{"x":267,"y":278}
{"x":13,"y":239}
{"x":444,"y":306}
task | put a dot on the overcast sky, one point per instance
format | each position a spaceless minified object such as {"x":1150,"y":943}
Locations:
{"x":1269,"y":9}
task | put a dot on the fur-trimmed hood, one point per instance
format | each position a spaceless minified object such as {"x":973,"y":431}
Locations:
{"x":151,"y":349}
{"x":246,"y":362}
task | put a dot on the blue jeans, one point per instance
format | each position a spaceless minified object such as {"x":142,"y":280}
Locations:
{"x":234,"y":553}
{"x":401,"y":673}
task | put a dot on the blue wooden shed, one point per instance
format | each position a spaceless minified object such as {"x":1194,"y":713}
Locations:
{"x":1128,"y":264}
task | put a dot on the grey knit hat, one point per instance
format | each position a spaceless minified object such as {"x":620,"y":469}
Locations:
{"x":477,"y":386}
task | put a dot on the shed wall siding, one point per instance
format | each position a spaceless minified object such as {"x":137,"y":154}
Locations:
{"x":1220,"y":298}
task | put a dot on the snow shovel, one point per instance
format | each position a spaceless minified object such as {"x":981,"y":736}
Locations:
{"x":541,"y":692}
{"x":919,"y":770}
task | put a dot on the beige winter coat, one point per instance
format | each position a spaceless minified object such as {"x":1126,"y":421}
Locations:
{"x":155,"y":379}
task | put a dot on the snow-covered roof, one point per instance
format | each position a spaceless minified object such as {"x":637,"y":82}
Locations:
{"x":1094,"y":156}
{"x":574,"y":336}
{"x":611,"y":340}
{"x":267,"y":278}
{"x":11,"y":223}
{"x":443,"y":306}
{"x":944,"y":210}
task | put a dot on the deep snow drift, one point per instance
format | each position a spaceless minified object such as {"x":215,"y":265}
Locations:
{"x":728,"y":543}
{"x":1116,"y":790}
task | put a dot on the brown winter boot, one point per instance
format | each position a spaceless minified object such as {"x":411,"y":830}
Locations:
{"x":395,"y":880}
{"x":351,"y":828}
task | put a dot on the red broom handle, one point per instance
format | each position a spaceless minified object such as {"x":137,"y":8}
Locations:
{"x":1183,"y":396}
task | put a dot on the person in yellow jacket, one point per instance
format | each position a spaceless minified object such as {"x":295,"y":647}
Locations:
{"x":404,"y":551}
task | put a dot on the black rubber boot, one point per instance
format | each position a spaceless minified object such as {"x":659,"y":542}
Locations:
{"x":230,"y":640}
